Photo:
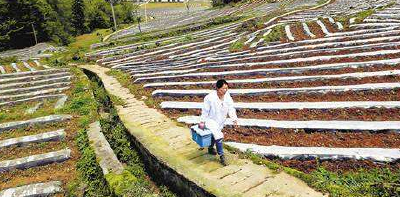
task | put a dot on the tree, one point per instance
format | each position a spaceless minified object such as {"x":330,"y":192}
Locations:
{"x":113,"y":13}
{"x":78,"y":16}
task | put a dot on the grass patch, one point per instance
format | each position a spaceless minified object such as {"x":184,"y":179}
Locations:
{"x":360,"y":16}
{"x":17,"y":112}
{"x":84,"y":41}
{"x":81,"y":102}
{"x":320,"y":2}
{"x":8,"y":60}
{"x":238,"y":46}
{"x":117,"y":100}
{"x":361,"y":183}
{"x":276,"y":34}
{"x":75,"y":52}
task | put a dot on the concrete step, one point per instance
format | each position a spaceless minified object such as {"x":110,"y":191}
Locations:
{"x":35,"y":83}
{"x":35,"y":160}
{"x":16,"y":97}
{"x":34,"y":88}
{"x":20,"y":79}
{"x":33,"y":98}
{"x":34,"y":189}
{"x":43,"y":137}
{"x":29,"y":73}
{"x":41,"y":120}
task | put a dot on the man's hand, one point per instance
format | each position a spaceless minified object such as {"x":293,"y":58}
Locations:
{"x":201,"y":125}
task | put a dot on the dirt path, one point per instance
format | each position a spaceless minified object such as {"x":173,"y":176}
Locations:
{"x":172,"y":144}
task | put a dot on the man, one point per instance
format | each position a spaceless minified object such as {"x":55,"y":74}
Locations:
{"x":217,"y":105}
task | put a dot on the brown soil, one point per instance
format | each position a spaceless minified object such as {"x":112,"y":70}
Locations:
{"x":35,"y":66}
{"x":15,"y":152}
{"x":298,"y":32}
{"x":300,"y":137}
{"x":331,"y":27}
{"x":376,"y":95}
{"x":299,"y":84}
{"x":303,"y":73}
{"x":264,"y":62}
{"x":8,"y":68}
{"x":65,"y":171}
{"x":373,"y":95}
{"x":315,"y":29}
{"x":371,"y":114}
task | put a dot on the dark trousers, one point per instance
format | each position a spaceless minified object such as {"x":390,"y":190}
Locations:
{"x":218,"y":144}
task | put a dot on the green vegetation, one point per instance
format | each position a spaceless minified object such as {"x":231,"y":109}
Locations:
{"x":276,"y":34}
{"x":8,"y":60}
{"x":78,"y":16}
{"x":55,"y":20}
{"x":91,"y":174}
{"x":320,"y":2}
{"x":360,"y":16}
{"x":76,"y":51}
{"x":237,"y":46}
{"x":360,"y":183}
{"x":81,"y":102}
{"x":251,"y":25}
{"x":363,"y":14}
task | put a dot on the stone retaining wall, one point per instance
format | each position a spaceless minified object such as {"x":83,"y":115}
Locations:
{"x":161,"y":172}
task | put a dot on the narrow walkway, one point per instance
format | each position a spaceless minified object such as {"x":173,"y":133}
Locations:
{"x":172,"y":145}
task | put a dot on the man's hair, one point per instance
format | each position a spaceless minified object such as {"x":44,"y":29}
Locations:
{"x":221,"y":83}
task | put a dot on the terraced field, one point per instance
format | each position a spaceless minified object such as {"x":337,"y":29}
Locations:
{"x":328,"y":86}
{"x":38,"y":51}
{"x":37,"y":147}
{"x":315,"y":84}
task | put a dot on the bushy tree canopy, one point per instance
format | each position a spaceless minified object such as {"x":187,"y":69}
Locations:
{"x":55,"y":20}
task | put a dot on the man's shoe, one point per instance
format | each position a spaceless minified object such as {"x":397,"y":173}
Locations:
{"x":212,"y":151}
{"x":223,"y":161}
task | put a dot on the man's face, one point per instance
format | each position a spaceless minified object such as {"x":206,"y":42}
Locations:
{"x":221,"y":91}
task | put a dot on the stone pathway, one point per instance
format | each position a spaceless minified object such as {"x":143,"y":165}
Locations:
{"x":172,"y":145}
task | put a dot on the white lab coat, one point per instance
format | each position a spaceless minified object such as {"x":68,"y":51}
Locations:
{"x":214,"y":112}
